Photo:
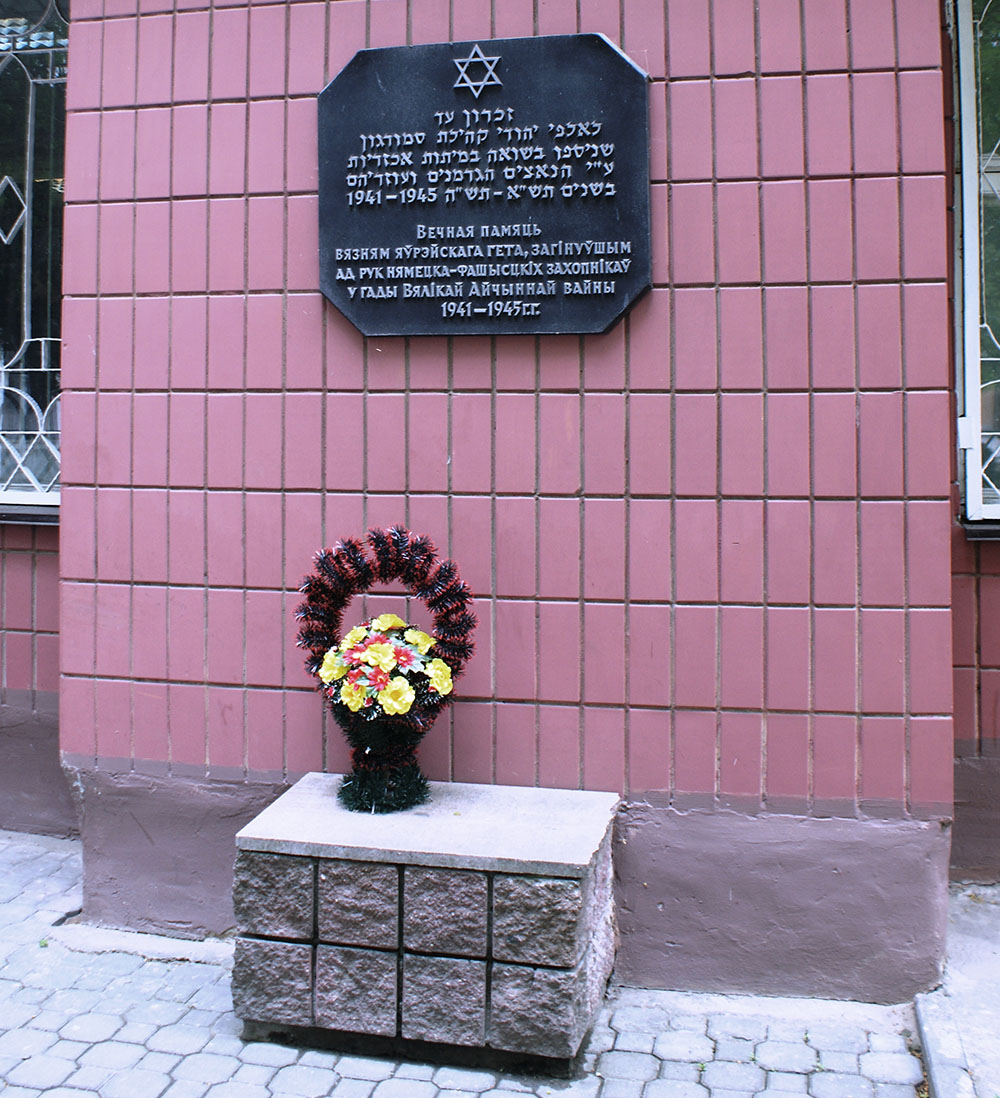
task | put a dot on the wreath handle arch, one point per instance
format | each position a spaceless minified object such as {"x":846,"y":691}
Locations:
{"x":352,"y":567}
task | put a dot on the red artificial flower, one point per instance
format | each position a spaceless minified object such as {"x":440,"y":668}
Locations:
{"x":404,"y":656}
{"x":378,"y":678}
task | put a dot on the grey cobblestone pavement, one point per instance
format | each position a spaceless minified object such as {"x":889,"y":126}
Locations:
{"x":86,"y":1012}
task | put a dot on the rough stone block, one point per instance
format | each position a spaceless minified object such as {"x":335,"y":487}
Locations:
{"x":356,"y":990}
{"x":550,"y":920}
{"x":358,"y":903}
{"x":444,"y":911}
{"x":538,"y":1010}
{"x":444,"y":999}
{"x":274,"y":895}
{"x":272,"y":982}
{"x":547,"y":1011}
{"x":537,"y":919}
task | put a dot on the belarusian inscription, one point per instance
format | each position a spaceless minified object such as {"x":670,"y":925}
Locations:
{"x":497,"y":189}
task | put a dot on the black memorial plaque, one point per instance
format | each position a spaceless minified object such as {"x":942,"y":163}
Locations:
{"x":485,"y":188}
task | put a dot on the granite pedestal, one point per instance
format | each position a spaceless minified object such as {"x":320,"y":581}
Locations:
{"x":483,"y":918}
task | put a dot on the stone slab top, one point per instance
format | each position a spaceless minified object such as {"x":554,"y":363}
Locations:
{"x":517,"y":829}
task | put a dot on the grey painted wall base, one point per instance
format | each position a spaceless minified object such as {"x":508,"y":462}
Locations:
{"x":158,"y":852}
{"x":839,"y":908}
{"x":34,"y":793}
{"x":711,"y":901}
{"x":975,"y":847}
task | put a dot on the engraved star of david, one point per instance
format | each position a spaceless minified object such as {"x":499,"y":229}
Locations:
{"x":488,"y":78}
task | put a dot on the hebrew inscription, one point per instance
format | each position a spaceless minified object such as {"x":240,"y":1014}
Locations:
{"x":496,"y":187}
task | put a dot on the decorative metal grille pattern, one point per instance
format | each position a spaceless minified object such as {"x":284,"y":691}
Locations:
{"x":33,"y":41}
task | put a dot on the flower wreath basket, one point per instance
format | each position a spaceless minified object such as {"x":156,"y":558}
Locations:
{"x":385,"y":680}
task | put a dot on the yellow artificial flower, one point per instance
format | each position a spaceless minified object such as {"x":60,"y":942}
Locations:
{"x":420,"y":640}
{"x":388,"y":621}
{"x":397,"y":697}
{"x":379,"y":655}
{"x":333,"y":667}
{"x":440,"y":675}
{"x":358,"y":633}
{"x":353,"y":695}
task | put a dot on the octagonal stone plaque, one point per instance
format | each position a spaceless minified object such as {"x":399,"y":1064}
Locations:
{"x":492,"y":187}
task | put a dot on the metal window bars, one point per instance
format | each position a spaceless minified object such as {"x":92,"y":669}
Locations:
{"x":33,"y":43}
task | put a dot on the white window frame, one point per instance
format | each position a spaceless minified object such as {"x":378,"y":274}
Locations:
{"x":970,"y":419}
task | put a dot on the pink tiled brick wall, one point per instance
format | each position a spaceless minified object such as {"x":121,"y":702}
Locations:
{"x":710,"y":547}
{"x":976,"y":633}
{"x":29,"y":609}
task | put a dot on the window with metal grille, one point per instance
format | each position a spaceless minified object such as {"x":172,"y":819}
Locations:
{"x":33,"y":41}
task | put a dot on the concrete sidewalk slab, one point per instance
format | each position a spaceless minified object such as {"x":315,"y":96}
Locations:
{"x":90,"y":1013}
{"x":960,"y":1021}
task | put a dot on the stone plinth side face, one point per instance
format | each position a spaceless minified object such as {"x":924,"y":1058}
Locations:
{"x":272,"y":981}
{"x":444,"y":1000}
{"x":356,"y":990}
{"x":358,"y":903}
{"x":537,"y":918}
{"x":428,"y":893}
{"x":273,"y":895}
{"x":536,"y":1009}
{"x":463,"y":951}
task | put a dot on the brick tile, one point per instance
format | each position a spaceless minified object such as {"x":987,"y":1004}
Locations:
{"x":229,"y":65}
{"x":924,"y":227}
{"x":835,"y":660}
{"x":604,"y":749}
{"x":648,"y":763}
{"x":735,"y":129}
{"x":738,"y":224}
{"x":825,"y":34}
{"x":786,"y":337}
{"x":788,"y":657}
{"x":882,"y":572}
{"x":787,"y":747}
{"x":690,"y":124}
{"x":828,"y":129}
{"x":877,"y":214}
{"x":831,"y":229}
{"x":692,"y":233}
{"x":695,"y":528}
{"x":920,"y":98}
{"x":784,"y":222}
{"x":875,"y":125}
{"x":266,"y":133}
{"x":780,"y":35}
{"x":604,"y":630}
{"x":882,"y":760}
{"x":515,"y":536}
{"x":740,"y":338}
{"x":918,"y":33}
{"x":688,"y":40}
{"x":872,"y":36}
{"x":741,"y":640}
{"x":694,"y":649}
{"x":559,"y":747}
{"x":924,"y":335}
{"x":649,"y":549}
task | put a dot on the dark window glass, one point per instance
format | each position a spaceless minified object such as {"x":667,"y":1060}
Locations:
{"x":33,"y":40}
